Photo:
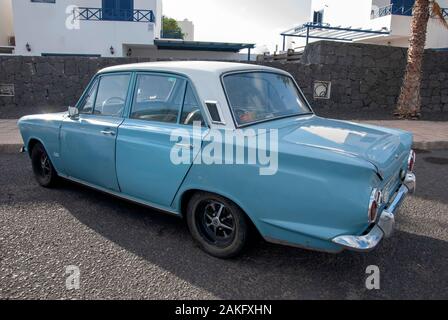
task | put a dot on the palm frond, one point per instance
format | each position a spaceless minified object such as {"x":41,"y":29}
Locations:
{"x":437,"y":13}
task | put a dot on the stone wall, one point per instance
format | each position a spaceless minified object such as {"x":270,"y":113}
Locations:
{"x":46,"y":84}
{"x":365,"y":80}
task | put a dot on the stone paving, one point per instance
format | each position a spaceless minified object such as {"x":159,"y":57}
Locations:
{"x":10,"y":139}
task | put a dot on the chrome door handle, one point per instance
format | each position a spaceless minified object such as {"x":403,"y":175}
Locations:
{"x":184,"y":145}
{"x":108,"y":132}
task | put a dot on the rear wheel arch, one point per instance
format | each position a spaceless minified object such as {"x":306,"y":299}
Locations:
{"x":188,"y":194}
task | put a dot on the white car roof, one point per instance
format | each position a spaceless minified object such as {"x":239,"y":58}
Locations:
{"x":189,"y":68}
{"x":205,"y":77}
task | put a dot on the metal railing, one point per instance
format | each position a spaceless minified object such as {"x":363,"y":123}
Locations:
{"x":391,"y":9}
{"x":98,"y":14}
{"x":398,"y":10}
{"x":445,"y":13}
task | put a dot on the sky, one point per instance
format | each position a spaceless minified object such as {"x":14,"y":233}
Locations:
{"x":248,"y":21}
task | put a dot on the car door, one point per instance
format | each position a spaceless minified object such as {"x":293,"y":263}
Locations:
{"x":160,"y":125}
{"x":88,"y":140}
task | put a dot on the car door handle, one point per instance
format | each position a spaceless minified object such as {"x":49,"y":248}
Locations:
{"x":108,"y":132}
{"x":184,"y":145}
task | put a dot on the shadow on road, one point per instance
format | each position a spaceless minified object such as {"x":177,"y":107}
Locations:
{"x":412,"y":266}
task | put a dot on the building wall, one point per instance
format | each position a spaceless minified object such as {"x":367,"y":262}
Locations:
{"x":365,"y":80}
{"x":6,"y":23}
{"x":49,"y":28}
{"x":159,"y":15}
{"x":341,"y":13}
{"x":187,"y":28}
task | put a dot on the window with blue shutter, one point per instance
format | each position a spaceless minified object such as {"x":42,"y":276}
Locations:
{"x":121,"y":10}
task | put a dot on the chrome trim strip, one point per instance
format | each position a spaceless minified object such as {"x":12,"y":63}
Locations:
{"x":295,"y":245}
{"x":120,"y":195}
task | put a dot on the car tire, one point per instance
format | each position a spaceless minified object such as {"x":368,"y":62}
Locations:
{"x":217,"y":224}
{"x":43,"y":169}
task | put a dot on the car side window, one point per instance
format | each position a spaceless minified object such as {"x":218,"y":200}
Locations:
{"x":191,"y":111}
{"x":89,"y":100}
{"x":158,"y":98}
{"x":111,"y":97}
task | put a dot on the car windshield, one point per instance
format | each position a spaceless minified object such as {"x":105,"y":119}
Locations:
{"x":261,"y":96}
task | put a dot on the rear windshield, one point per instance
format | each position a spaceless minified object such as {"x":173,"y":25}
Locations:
{"x":262,"y":96}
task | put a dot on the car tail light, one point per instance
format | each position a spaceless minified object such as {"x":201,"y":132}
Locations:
{"x":374,"y":203}
{"x":411,"y":160}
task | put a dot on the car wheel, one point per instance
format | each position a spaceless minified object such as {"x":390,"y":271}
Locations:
{"x":43,"y":169}
{"x":217,"y":224}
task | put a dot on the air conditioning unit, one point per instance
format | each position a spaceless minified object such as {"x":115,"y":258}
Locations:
{"x":12,"y":41}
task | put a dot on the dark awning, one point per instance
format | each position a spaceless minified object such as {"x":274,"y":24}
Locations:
{"x":169,"y":44}
{"x":326,"y":32}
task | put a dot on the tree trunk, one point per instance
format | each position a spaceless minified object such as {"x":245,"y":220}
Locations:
{"x":409,"y":101}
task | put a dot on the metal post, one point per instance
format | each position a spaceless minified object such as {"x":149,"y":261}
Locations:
{"x":307,"y":34}
{"x":284,"y":39}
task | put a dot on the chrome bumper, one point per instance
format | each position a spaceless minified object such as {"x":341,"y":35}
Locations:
{"x":385,"y":224}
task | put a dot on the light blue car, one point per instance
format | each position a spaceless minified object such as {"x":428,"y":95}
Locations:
{"x":151,"y":133}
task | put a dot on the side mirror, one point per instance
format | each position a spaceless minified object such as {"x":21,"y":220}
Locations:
{"x":73,"y":112}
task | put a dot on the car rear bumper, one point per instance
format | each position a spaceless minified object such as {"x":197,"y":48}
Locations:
{"x":385,"y":224}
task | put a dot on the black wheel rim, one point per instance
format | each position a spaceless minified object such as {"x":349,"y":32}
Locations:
{"x":215,"y":222}
{"x":42,"y":166}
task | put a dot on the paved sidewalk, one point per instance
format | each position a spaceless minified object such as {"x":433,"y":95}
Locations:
{"x":428,"y":135}
{"x":10,"y":139}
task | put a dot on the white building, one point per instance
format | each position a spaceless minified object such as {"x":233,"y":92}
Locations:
{"x":94,"y":27}
{"x":6,"y":27}
{"x":187,"y":27}
{"x":106,"y":28}
{"x":390,"y":17}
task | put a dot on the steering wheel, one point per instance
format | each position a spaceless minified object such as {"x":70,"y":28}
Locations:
{"x":191,"y":116}
{"x":119,"y":100}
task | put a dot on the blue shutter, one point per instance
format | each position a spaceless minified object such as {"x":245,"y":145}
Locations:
{"x":126,"y":9}
{"x":122,"y":10}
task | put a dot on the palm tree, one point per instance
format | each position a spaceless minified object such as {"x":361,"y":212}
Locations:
{"x":409,"y":101}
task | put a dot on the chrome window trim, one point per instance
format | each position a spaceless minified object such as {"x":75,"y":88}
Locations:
{"x":237,"y":125}
{"x":137,"y":72}
{"x":218,"y":107}
{"x":128,"y":92}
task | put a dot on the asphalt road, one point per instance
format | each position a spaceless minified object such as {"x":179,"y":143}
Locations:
{"x":127,"y":251}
